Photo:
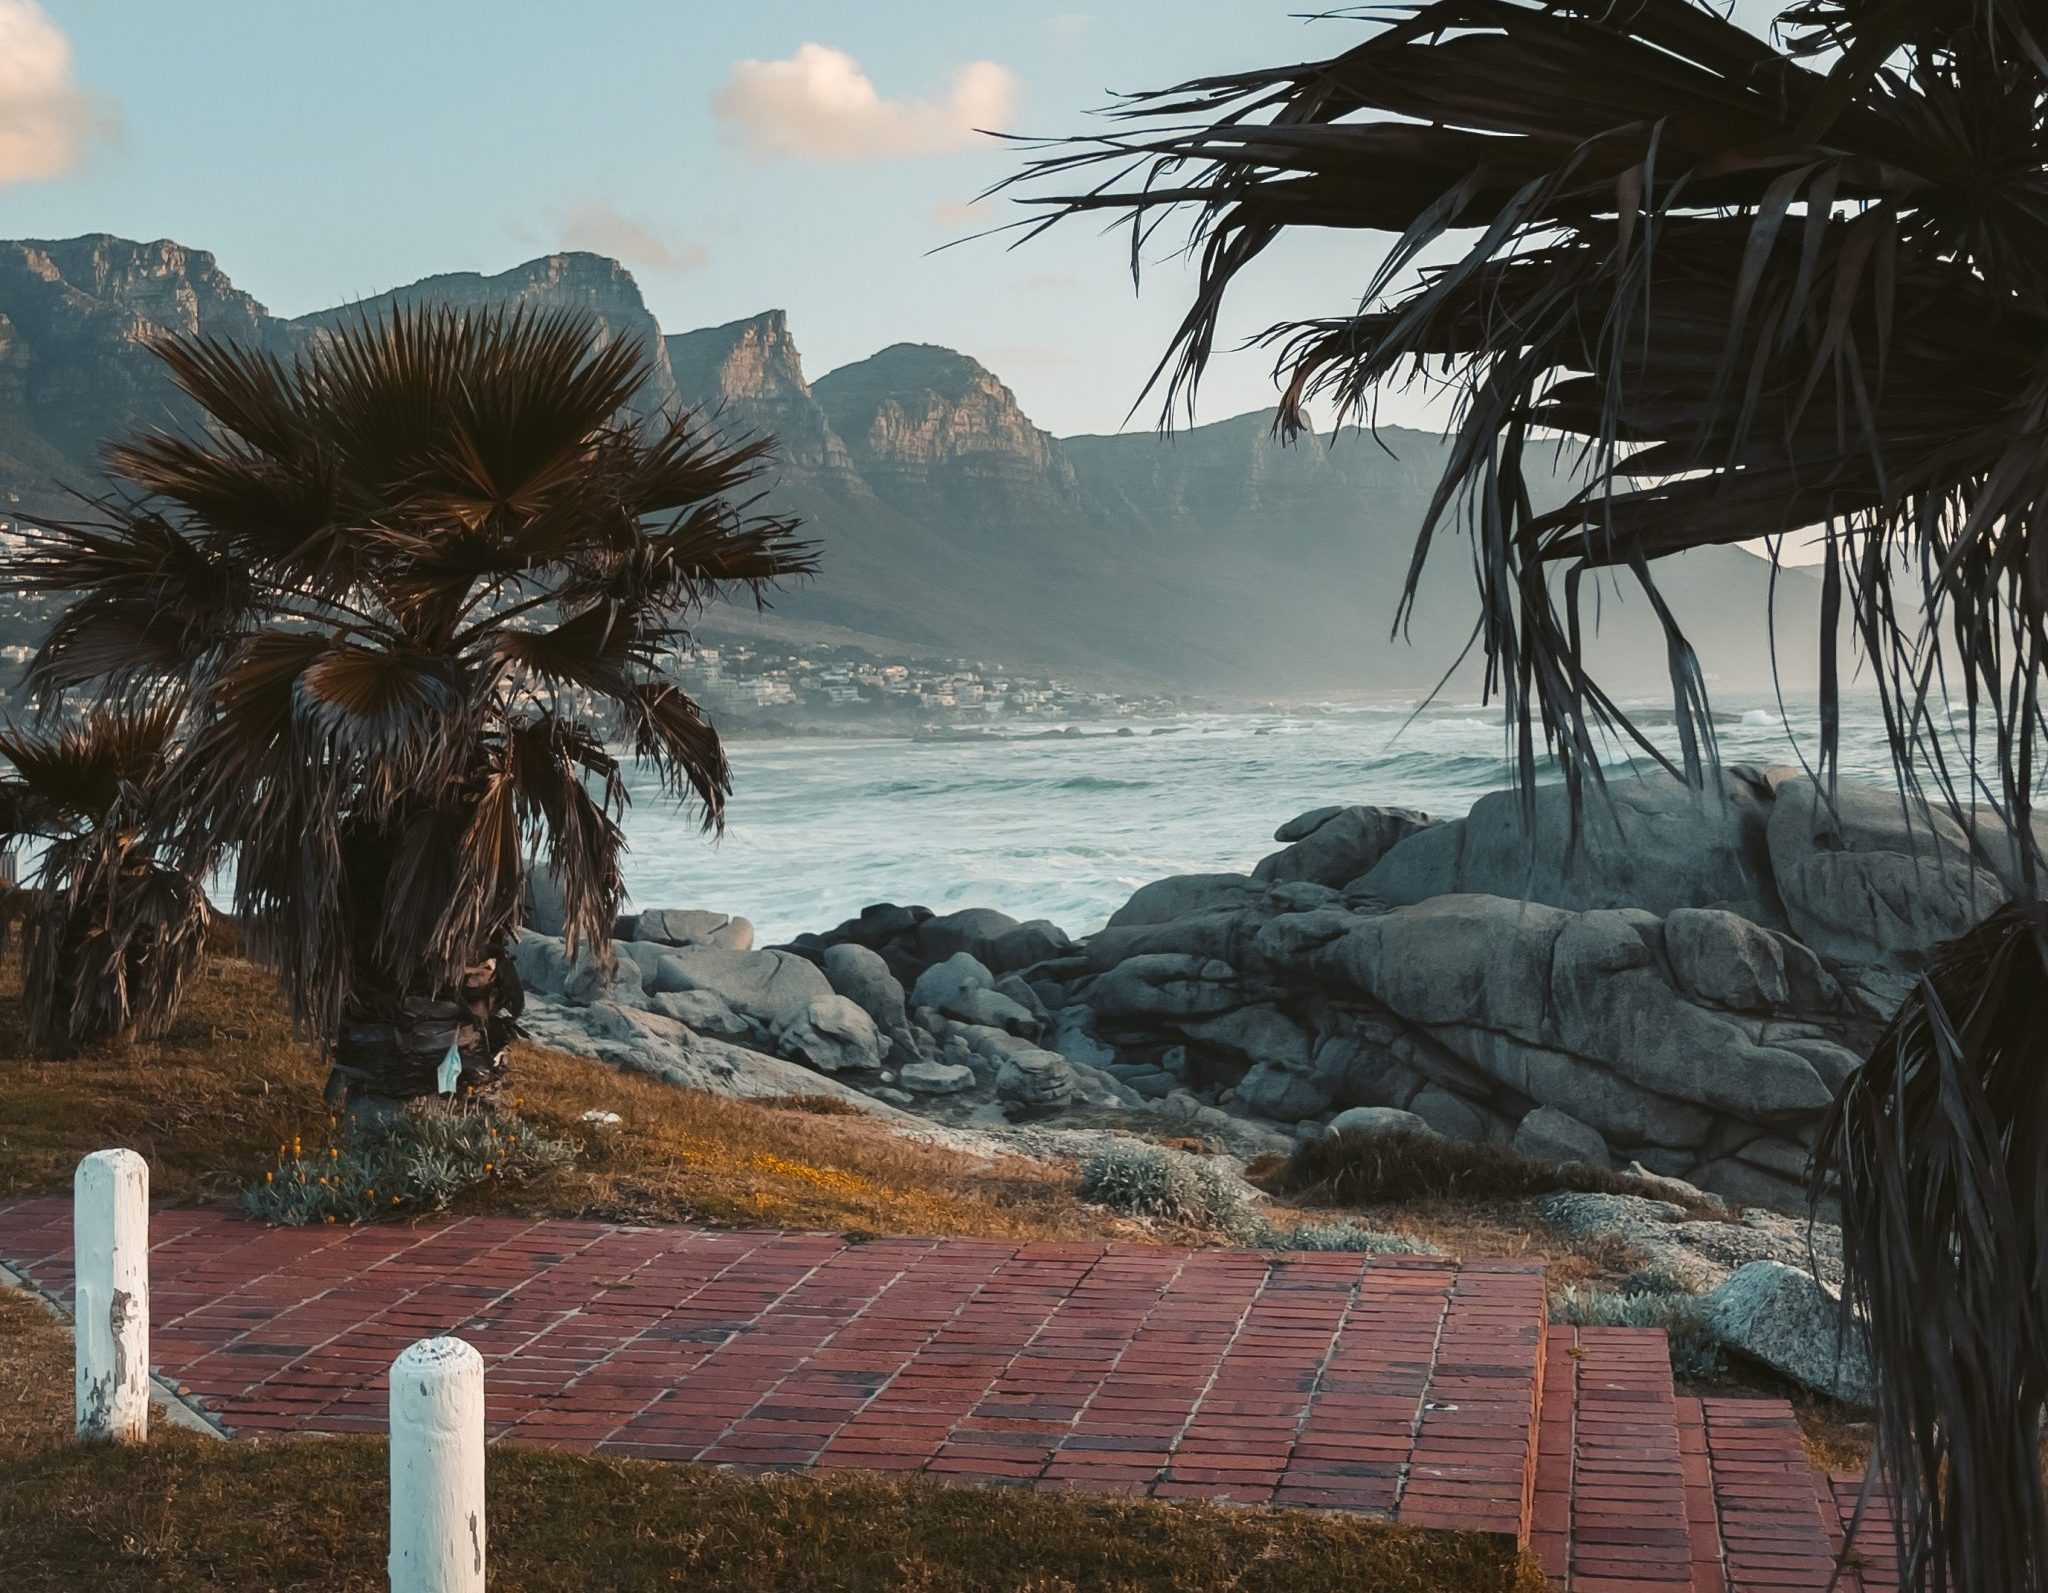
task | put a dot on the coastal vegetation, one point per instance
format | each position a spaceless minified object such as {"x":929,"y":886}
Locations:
{"x":410,"y":590}
{"x":1759,"y":287}
{"x":113,"y":926}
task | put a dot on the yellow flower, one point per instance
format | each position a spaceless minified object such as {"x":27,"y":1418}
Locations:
{"x":334,"y":1153}
{"x":394,"y":1200}
{"x":268,"y":1176}
{"x":330,"y":1216}
{"x":487,"y":1166}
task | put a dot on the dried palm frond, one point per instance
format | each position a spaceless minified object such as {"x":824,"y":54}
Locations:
{"x":111,"y":928}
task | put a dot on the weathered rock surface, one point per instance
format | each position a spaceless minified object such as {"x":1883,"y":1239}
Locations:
{"x":1365,"y":1121}
{"x":1781,"y":1316}
{"x":833,"y":1035}
{"x":1553,"y":1136}
{"x":671,"y":926}
{"x":1334,"y":846}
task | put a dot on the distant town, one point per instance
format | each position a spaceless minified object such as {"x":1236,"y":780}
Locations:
{"x":769,"y":686}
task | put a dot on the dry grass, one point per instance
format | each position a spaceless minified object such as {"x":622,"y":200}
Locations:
{"x":1350,"y":1170}
{"x":186,"y":1514}
{"x":210,"y":1103}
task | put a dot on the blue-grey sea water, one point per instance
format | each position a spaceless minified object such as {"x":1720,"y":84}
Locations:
{"x":1067,"y":826}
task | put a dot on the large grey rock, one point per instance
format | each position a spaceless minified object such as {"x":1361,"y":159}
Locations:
{"x":682,"y":926}
{"x":1553,"y":1136}
{"x":1254,"y":1034}
{"x":1035,"y":1080}
{"x":1165,"y":985}
{"x":863,"y":977}
{"x":1362,"y":1122}
{"x":705,"y":1012}
{"x":1779,"y":1315}
{"x":1865,"y":879}
{"x":1334,"y":846}
{"x":1454,"y":1116}
{"x":546,"y":968}
{"x":998,"y":1011}
{"x":833,"y":1035}
{"x":542,"y":908}
{"x":1722,"y":959}
{"x":1651,"y":843}
{"x":936,"y":1078}
{"x":774,"y":988}
{"x":972,"y":930}
{"x":1179,"y":895}
{"x":648,"y":1042}
{"x":1285,"y":1092}
{"x":946,"y":984}
{"x":1281,"y":1080}
{"x":1364,"y":1071}
{"x":1026,"y":945}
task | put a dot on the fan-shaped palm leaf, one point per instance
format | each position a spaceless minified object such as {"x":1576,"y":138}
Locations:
{"x":404,"y":579}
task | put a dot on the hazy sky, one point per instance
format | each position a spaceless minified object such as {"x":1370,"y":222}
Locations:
{"x":807,"y":154}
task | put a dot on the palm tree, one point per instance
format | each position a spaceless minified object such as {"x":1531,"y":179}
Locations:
{"x":112,"y":929}
{"x":1755,"y":288}
{"x":416,"y":585}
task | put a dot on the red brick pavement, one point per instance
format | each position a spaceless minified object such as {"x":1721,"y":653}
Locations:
{"x":1400,"y":1386}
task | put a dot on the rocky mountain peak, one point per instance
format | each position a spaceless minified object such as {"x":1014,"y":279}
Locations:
{"x":918,"y":410}
{"x":573,"y":279}
{"x":749,"y":360}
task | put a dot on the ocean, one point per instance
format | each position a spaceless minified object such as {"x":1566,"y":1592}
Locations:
{"x":1066,"y":825}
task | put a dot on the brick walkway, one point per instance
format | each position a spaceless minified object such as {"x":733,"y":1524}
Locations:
{"x":1406,"y":1388}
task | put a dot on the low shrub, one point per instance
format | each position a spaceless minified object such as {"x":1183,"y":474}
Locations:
{"x":816,"y":1105}
{"x":413,"y":1161}
{"x":1346,"y":1236}
{"x":1650,"y":1300}
{"x":1366,"y":1169}
{"x":1146,"y":1180}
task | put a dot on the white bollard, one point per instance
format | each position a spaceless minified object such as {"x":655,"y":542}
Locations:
{"x":437,"y":1469}
{"x":110,"y":1251}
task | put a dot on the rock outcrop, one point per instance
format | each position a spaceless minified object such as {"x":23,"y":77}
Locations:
{"x":1680,"y":986}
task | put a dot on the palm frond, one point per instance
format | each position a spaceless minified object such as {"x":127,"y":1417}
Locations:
{"x":1752,"y":294}
{"x":387,"y":579}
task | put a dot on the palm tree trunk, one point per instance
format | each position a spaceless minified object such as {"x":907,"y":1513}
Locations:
{"x":390,"y":1050}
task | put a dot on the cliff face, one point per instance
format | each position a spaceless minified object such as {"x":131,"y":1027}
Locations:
{"x":74,"y":363}
{"x":919,"y":418}
{"x":576,"y":280}
{"x":748,"y":376}
{"x":1217,"y":559}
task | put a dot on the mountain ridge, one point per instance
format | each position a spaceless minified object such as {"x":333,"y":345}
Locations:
{"x":1216,"y":559}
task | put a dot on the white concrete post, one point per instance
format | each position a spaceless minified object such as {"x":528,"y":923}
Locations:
{"x":110,"y":1251}
{"x":437,"y":1469}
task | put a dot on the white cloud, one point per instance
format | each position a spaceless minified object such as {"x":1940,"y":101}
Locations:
{"x":820,"y":105}
{"x":46,"y":119}
{"x":1068,"y":26}
{"x":603,"y":229}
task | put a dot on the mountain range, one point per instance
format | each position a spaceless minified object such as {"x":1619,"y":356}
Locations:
{"x":1216,"y":560}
